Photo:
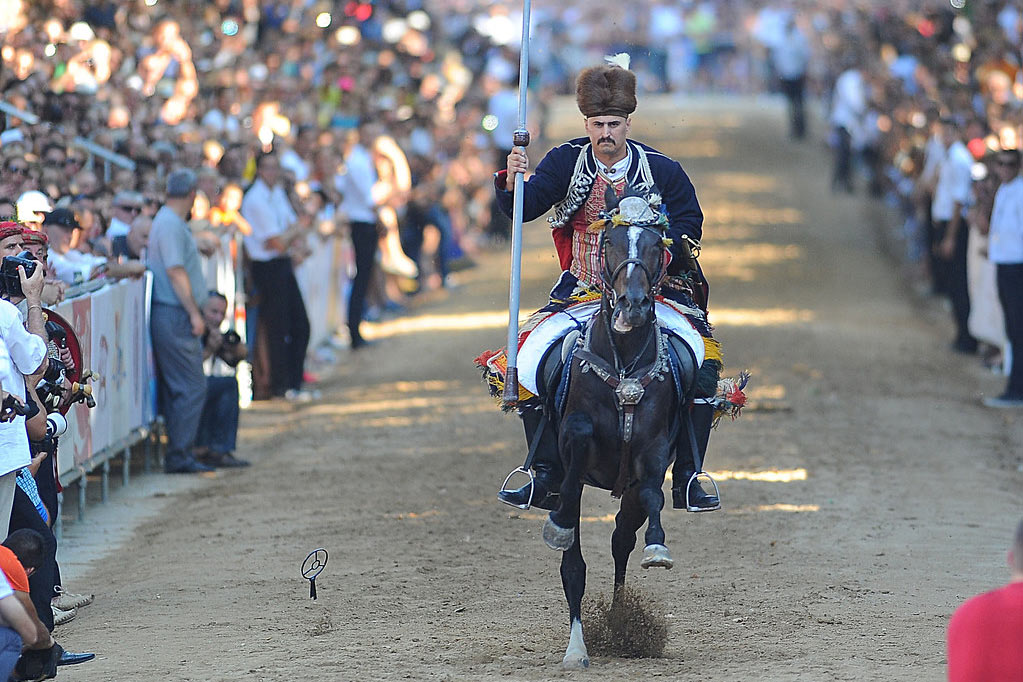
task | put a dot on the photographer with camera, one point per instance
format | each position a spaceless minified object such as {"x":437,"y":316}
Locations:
{"x":222,"y":351}
{"x":27,"y":351}
{"x":38,"y":244}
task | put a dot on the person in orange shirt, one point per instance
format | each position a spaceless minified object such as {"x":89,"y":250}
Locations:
{"x":985,"y":634}
{"x":20,"y":555}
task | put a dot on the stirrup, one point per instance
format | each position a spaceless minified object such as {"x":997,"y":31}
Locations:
{"x":689,"y":486}
{"x":506,"y":489}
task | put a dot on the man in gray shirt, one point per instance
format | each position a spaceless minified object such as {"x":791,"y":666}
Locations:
{"x":177,"y":323}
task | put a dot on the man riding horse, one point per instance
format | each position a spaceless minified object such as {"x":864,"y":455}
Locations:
{"x":574,"y":179}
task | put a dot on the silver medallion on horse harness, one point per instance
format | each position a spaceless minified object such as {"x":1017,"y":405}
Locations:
{"x":630,"y":391}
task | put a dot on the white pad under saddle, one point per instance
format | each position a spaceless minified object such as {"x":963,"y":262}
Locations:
{"x":556,"y":325}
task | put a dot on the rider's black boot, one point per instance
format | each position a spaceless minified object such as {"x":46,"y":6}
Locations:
{"x":683,"y":469}
{"x":546,"y":465}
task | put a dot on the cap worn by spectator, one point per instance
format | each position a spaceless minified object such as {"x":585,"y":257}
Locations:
{"x":10,"y":229}
{"x":30,"y":205}
{"x":62,"y":217}
{"x":34,"y":237}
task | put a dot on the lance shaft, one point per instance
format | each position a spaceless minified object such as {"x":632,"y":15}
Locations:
{"x":510,"y":396}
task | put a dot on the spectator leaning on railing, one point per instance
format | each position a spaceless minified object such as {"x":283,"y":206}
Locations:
{"x":26,"y":349}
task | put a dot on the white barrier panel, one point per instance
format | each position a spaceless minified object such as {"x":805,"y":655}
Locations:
{"x":113,"y":331}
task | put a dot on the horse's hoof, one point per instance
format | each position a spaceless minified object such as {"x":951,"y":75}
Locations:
{"x":557,"y":537}
{"x":656,"y":555}
{"x":575,"y":662}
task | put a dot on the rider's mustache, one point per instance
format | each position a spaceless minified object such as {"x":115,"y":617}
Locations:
{"x":606,"y":139}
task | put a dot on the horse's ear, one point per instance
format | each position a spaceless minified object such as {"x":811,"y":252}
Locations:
{"x":611,"y":199}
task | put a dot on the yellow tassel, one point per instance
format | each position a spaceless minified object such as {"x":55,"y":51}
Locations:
{"x":712,"y":349}
{"x":597,"y":225}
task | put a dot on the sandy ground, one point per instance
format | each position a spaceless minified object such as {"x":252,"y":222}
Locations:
{"x":893,"y":496}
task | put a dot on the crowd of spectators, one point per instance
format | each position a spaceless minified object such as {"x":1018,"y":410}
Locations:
{"x":925,"y":103}
{"x":256,"y":133}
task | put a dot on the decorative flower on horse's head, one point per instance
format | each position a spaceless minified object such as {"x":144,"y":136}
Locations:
{"x":636,"y":211}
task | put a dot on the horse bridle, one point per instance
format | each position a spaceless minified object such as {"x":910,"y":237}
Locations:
{"x":607,"y":278}
{"x":629,"y":389}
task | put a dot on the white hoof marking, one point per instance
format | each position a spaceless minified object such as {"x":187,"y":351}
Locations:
{"x":657,"y":555}
{"x":557,"y":537}
{"x":576,"y":657}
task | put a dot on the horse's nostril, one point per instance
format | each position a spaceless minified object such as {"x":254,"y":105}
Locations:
{"x":645,"y":303}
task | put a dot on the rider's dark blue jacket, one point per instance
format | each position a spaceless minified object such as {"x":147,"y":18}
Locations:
{"x":550,"y":184}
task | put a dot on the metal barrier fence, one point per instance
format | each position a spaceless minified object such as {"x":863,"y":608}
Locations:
{"x":112,"y":323}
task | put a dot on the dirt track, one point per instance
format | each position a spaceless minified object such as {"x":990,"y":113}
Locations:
{"x":911,"y":489}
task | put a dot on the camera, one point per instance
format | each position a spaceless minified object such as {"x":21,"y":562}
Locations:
{"x":10,"y":282}
{"x":56,"y":425}
{"x":231,"y":338}
{"x":12,"y":407}
{"x":50,"y":389}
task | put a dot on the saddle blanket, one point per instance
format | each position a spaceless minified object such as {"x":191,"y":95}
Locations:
{"x":550,"y":324}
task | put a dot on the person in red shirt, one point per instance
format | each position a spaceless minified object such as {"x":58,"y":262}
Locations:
{"x":985,"y":634}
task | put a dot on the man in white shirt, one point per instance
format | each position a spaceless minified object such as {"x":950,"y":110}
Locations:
{"x":1005,"y":250}
{"x":27,"y":352}
{"x":848,"y":109}
{"x":790,"y":58}
{"x":951,"y":196}
{"x":281,"y":343}
{"x":356,"y":186}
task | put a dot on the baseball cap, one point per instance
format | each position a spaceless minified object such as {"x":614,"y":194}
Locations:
{"x":62,"y":217}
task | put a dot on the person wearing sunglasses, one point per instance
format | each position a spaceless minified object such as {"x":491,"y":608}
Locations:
{"x":125,"y":208}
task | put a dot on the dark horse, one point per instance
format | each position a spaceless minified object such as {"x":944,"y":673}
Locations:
{"x":621,"y":409}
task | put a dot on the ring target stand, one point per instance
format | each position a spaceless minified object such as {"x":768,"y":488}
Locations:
{"x":312,"y":567}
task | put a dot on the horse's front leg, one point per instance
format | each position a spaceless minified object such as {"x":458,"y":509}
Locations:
{"x":576,"y":438}
{"x":623,"y":540}
{"x":573,"y":579}
{"x":651,"y":498}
